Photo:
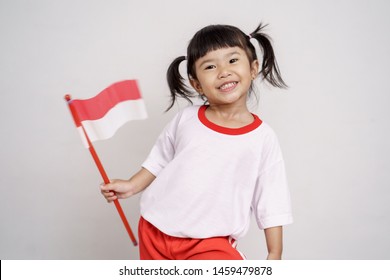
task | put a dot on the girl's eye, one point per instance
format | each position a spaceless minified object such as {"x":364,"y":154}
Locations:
{"x":209,"y":67}
{"x":233,"y":60}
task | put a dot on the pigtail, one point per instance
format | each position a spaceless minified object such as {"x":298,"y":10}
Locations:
{"x":269,"y":68}
{"x":176,"y":83}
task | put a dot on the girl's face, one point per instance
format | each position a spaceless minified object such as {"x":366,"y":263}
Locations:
{"x":224,"y":76}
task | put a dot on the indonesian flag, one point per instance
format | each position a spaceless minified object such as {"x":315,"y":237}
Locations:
{"x":101,"y":116}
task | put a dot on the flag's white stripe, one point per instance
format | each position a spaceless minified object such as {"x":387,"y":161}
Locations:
{"x":121,"y":113}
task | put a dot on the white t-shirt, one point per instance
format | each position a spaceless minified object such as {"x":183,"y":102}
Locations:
{"x":209,"y":179}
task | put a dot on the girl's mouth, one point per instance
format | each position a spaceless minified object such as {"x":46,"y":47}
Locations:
{"x":228,"y":86}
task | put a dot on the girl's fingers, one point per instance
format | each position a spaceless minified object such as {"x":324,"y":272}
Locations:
{"x":107,"y":192}
{"x":110,"y":198}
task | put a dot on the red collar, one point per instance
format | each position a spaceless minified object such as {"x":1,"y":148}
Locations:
{"x":226,"y":130}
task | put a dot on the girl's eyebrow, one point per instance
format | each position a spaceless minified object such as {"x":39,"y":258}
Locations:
{"x":211,"y":59}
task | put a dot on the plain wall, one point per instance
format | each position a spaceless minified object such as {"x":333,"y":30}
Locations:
{"x":332,"y":122}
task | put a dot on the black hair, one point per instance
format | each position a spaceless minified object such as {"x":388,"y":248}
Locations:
{"x":214,"y":37}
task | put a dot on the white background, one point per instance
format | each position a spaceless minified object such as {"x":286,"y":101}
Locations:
{"x":332,"y":122}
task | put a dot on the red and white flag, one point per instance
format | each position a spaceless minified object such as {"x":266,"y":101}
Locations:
{"x":102,"y":115}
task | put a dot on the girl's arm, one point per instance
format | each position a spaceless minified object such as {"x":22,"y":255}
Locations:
{"x":274,"y":240}
{"x":126,"y":188}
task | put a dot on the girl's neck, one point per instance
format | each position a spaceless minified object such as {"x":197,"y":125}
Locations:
{"x":231,"y":116}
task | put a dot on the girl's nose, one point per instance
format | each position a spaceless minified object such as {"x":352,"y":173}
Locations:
{"x":224,"y":74}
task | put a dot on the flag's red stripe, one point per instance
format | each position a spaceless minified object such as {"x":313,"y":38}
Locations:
{"x":96,"y":107}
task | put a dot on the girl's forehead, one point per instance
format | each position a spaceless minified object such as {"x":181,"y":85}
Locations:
{"x":221,"y":53}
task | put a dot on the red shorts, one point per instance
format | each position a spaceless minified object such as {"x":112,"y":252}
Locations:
{"x":156,"y":245}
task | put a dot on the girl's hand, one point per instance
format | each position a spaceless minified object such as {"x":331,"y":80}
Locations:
{"x":117,"y":189}
{"x":125,"y":188}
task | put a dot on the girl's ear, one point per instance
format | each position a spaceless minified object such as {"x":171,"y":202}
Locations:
{"x":196,"y":85}
{"x":254,"y":69}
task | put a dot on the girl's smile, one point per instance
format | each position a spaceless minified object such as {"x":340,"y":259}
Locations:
{"x":228,"y":86}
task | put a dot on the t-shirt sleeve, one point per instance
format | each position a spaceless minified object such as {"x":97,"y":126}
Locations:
{"x":163,"y":150}
{"x":271,"y":201}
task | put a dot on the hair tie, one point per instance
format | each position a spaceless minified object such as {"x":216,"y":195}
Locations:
{"x":250,"y":36}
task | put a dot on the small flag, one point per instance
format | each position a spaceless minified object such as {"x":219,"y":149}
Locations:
{"x":101,"y":116}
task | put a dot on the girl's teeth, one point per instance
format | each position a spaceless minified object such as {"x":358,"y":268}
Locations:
{"x":229,"y":85}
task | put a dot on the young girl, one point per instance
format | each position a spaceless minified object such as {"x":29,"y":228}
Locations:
{"x":213,"y":165}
